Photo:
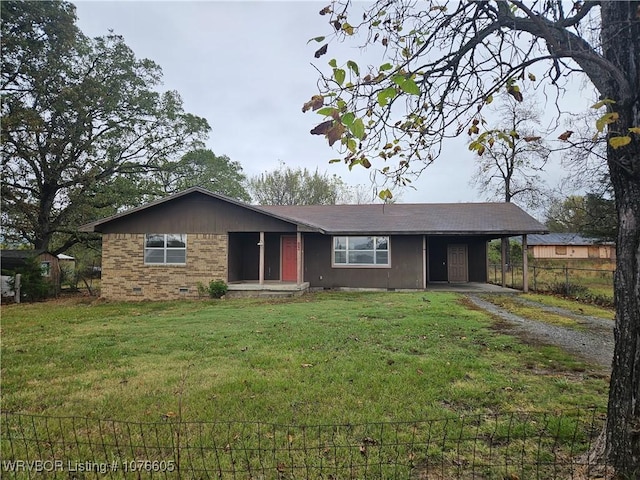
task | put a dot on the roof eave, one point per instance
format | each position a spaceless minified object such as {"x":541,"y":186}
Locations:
{"x":484,"y":233}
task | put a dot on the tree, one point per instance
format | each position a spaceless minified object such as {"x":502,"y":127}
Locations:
{"x":584,"y":156}
{"x":513,"y":154}
{"x":510,"y":158}
{"x":591,"y":215}
{"x":288,"y":186}
{"x":442,"y":67}
{"x":82,"y":122}
{"x":33,"y":285}
{"x":601,"y":218}
{"x":566,"y":215}
{"x":203,"y":168}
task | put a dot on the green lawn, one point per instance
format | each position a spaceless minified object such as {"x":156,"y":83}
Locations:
{"x":321,"y":359}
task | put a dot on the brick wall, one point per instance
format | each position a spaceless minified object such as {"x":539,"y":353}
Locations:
{"x":126,"y":277}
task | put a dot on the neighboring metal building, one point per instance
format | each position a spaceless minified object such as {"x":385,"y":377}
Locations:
{"x":568,"y":246}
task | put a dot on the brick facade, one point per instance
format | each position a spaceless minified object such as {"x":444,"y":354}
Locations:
{"x":126,"y":277}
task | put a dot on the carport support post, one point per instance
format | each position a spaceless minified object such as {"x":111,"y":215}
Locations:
{"x":299,"y":258}
{"x":261,"y":267}
{"x":525,"y":265}
{"x":503,"y":260}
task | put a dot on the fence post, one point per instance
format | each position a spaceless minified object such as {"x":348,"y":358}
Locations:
{"x":535,"y":282}
{"x":525,"y":265}
{"x":16,"y":288}
{"x":566,"y":280}
{"x":503,"y":260}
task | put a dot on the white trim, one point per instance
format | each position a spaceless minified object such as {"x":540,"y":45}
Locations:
{"x":164,"y":250}
{"x":360,"y":265}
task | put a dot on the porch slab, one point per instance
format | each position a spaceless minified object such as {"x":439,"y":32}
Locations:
{"x":266,"y":289}
{"x":469,"y":287}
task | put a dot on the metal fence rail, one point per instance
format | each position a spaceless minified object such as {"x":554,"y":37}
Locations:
{"x":532,"y":445}
{"x":558,"y":279}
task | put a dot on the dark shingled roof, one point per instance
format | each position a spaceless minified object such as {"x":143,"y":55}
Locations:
{"x":399,"y":218}
{"x":493,"y":219}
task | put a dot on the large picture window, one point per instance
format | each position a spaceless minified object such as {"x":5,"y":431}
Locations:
{"x":165,"y":248}
{"x":361,"y":251}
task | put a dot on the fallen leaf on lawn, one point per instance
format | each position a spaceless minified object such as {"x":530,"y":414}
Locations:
{"x":420,"y":372}
{"x":307,"y":365}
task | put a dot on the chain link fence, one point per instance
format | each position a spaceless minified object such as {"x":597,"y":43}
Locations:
{"x":515,"y":445}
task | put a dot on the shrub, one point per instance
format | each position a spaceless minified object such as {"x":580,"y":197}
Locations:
{"x":33,"y":286}
{"x":216,"y":289}
{"x":568,"y":289}
{"x":601,"y":300}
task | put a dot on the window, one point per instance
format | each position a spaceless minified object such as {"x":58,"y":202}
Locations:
{"x":165,"y":248}
{"x":361,"y":251}
{"x":45,"y":268}
{"x":561,"y":249}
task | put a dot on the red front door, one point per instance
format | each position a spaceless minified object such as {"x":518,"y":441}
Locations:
{"x":289,"y":259}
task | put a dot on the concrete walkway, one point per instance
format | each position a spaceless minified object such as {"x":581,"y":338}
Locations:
{"x":469,"y":287}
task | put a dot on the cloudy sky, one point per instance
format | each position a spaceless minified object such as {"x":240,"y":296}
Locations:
{"x":247,"y":68}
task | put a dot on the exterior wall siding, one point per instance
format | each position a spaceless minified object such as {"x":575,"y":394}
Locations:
{"x":573,"y":251}
{"x":55,"y":273}
{"x":406,"y":271}
{"x":126,"y":277}
{"x":194,"y":213}
{"x":477,"y":257}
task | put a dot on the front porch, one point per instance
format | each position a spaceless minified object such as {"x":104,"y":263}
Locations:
{"x":268,"y":288}
{"x":263,"y":257}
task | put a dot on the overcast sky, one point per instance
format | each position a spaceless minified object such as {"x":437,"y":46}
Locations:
{"x":247,"y":68}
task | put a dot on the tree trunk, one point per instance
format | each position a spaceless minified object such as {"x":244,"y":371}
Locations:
{"x":623,"y":420}
{"x":621,"y":46}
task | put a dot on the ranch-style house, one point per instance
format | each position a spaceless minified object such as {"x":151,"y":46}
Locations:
{"x":166,"y":248}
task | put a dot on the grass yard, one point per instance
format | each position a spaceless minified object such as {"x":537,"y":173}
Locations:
{"x":320,"y":359}
{"x":534,"y":312}
{"x":576,"y":307}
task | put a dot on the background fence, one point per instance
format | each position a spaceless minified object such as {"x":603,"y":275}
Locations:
{"x":525,"y":445}
{"x":596,"y":283}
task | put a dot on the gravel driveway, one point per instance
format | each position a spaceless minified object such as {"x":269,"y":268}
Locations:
{"x":594,"y":344}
